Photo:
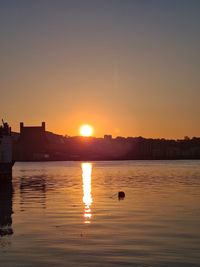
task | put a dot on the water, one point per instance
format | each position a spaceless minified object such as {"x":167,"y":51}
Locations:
{"x":68,"y":214}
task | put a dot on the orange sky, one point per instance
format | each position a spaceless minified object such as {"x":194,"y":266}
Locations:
{"x":128,"y":68}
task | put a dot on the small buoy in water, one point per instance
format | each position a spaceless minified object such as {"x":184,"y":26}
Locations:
{"x":121,"y":195}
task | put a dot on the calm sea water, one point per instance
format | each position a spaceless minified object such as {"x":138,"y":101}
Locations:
{"x":69,"y":214}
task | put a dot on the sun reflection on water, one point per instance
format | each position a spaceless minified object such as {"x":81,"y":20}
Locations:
{"x":87,"y":188}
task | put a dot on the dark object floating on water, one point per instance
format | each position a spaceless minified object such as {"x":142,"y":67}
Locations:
{"x":121,"y":195}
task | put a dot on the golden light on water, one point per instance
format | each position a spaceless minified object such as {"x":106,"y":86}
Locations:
{"x":86,"y":130}
{"x":87,"y":190}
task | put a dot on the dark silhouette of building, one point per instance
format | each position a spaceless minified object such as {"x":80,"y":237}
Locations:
{"x":32,"y":144}
{"x":108,"y":137}
{"x":6,"y":151}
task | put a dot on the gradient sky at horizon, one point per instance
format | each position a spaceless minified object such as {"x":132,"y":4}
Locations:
{"x":129,"y":68}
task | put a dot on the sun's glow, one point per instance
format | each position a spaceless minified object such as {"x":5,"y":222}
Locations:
{"x":86,"y":130}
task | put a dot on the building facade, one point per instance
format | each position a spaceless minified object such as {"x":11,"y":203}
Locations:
{"x":32,"y":143}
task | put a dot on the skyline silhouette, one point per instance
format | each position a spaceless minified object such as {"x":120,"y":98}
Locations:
{"x":35,"y":143}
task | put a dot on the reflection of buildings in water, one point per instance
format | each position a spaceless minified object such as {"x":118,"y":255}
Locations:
{"x":87,"y":188}
{"x":33,"y":188}
{"x":6,"y":195}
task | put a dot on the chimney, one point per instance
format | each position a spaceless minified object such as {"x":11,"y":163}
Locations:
{"x":43,"y":126}
{"x":21,"y":127}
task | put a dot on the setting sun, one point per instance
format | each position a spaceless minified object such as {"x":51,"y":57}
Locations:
{"x":86,"y":130}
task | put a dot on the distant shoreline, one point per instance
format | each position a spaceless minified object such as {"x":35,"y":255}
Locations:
{"x":35,"y":144}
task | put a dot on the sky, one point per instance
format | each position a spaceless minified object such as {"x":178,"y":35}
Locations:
{"x":127,"y":67}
